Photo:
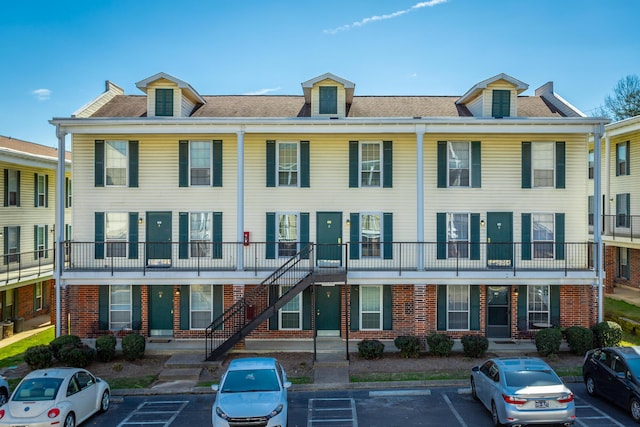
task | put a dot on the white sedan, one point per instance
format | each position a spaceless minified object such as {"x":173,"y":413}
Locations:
{"x":55,"y":396}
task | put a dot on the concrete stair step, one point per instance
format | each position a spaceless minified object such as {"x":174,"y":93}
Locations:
{"x":190,"y":360}
{"x":175,"y":374}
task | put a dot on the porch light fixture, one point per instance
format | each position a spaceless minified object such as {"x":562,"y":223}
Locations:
{"x":482,"y":223}
{"x":140,"y":220}
{"x":515,"y":290}
{"x":178,"y":292}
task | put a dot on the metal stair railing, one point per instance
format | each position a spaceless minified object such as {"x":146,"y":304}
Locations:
{"x":259,"y":304}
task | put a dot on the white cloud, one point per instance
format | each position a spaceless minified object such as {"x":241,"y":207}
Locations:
{"x":377,"y":18}
{"x":42,"y":94}
{"x":263,"y":91}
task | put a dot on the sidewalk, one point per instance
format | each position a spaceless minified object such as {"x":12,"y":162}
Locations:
{"x":31,"y":327}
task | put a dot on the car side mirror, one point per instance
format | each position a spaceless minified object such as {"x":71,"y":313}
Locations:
{"x":475,"y":368}
{"x":215,"y":387}
{"x":287,"y":384}
{"x":621,"y":375}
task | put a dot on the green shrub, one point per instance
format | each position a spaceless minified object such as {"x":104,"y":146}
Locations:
{"x":579,"y":339}
{"x":63,"y":340}
{"x":370,"y":349}
{"x":607,"y":334}
{"x":105,"y":347}
{"x":133,"y":346}
{"x":38,"y":357}
{"x":439,"y":344}
{"x":474,"y":345}
{"x":408,"y":345}
{"x":78,"y":356}
{"x":548,"y":341}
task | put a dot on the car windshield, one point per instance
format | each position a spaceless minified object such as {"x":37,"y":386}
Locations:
{"x":531,"y":378}
{"x":251,"y":380}
{"x":37,"y":389}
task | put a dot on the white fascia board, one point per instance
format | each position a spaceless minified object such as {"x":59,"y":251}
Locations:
{"x":623,"y":126}
{"x":31,"y":160}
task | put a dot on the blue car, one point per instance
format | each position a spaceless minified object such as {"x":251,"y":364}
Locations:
{"x":4,"y":391}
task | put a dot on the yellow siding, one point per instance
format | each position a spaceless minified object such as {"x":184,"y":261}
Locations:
{"x":625,"y":183}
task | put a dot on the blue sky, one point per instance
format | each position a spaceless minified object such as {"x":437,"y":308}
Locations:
{"x":56,"y":55}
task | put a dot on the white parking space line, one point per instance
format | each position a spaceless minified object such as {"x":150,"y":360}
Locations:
{"x":161,"y":413}
{"x":332,"y":412}
{"x":603,"y":415}
{"x":385,"y":393}
{"x":455,"y":412}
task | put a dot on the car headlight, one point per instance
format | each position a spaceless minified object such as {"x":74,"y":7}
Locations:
{"x":221,"y":414}
{"x":276,"y":411}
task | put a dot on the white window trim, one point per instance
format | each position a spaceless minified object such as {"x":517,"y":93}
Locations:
{"x":282,"y":311}
{"x":206,"y":242}
{"x":449,"y":150}
{"x":13,"y":252}
{"x":381,"y":163}
{"x":623,"y":261}
{"x":126,"y":163}
{"x":297,"y":215}
{"x":40,"y":246}
{"x":548,"y":311}
{"x":210,"y":142}
{"x":297,"y":170}
{"x":449,"y":241}
{"x":42,"y":191}
{"x":533,"y":164}
{"x":107,"y":241}
{"x":191,"y":310}
{"x":620,"y":160}
{"x":534,"y":241}
{"x":468,"y":310}
{"x":381,"y":248}
{"x":380,"y":312}
{"x":13,"y":182}
{"x":111,"y":310}
{"x":38,"y":296}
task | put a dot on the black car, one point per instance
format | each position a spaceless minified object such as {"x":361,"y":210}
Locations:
{"x":614,"y":373}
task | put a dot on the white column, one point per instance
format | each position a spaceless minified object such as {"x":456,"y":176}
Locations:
{"x":420,"y":129}
{"x":240,"y":202}
{"x":597,"y":214}
{"x":59,"y":229}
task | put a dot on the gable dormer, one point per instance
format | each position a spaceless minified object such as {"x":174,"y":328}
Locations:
{"x":328,"y":95}
{"x":495,"y":97}
{"x":168,"y":96}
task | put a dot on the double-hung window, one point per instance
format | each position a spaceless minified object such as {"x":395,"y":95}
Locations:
{"x":457,"y":235}
{"x":591,"y":163}
{"x":12,"y":187}
{"x":590,"y":209}
{"x":116,"y":160}
{"x":543,"y":164}
{"x":291,"y":312}
{"x":40,"y":239}
{"x":68,"y":192}
{"x":116,"y":229}
{"x":538,"y":304}
{"x":543,"y":235}
{"x":622,"y":159}
{"x":37,"y":296}
{"x":41,"y":190}
{"x":120,"y":307}
{"x":12,"y":244}
{"x":623,"y":210}
{"x":623,"y":263}
{"x":370,"y":159}
{"x":371,"y":308}
{"x":458,"y":307}
{"x":288,"y":164}
{"x":200,"y":162}
{"x":287,"y":227}
{"x":370,"y":234}
{"x":201,"y":306}
{"x":200,"y":229}
{"x":458,"y":161}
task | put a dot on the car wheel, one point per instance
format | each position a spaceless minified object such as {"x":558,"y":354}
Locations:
{"x":590,"y":384}
{"x":494,"y":415}
{"x":634,"y":407}
{"x":70,"y":421}
{"x":4,"y":396}
{"x":104,"y":402}
{"x":474,"y":394}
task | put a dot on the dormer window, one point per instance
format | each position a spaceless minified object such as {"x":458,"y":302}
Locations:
{"x":328,"y":99}
{"x":501,"y":105}
{"x":164,"y":102}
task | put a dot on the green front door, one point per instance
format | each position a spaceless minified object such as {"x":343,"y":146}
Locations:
{"x":161,"y":310}
{"x":498,"y":312}
{"x":499,"y":239}
{"x":329,"y":239}
{"x":328,"y":311}
{"x":158,"y":239}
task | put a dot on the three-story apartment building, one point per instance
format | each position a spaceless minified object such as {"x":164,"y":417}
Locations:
{"x":328,"y":213}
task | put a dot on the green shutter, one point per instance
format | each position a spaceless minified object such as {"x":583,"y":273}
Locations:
{"x":183,"y":163}
{"x":35,"y":190}
{"x":216,"y":250}
{"x":526,"y":236}
{"x":35,"y":242}
{"x":217,"y":163}
{"x":476,"y":165}
{"x":98,"y":169}
{"x":218,"y":302}
{"x":441,"y":235}
{"x":617,"y":161}
{"x":5,"y":258}
{"x":554,"y":304}
{"x":628,"y":160}
{"x":183,"y":235}
{"x":387,"y":238}
{"x":99,"y":235}
{"x":328,"y":100}
{"x":6,"y":188}
{"x":66,"y":192}
{"x":136,"y":307}
{"x":523,"y":315}
{"x":560,"y":164}
{"x":474,"y":314}
{"x":270,"y":250}
{"x":441,"y":309}
{"x":560,"y":236}
{"x":133,"y":163}
{"x":475,"y":236}
{"x":185,"y":312}
{"x":133,"y":235}
{"x":387,"y":164}
{"x":273,"y":297}
{"x":355,"y":308}
{"x":353,"y":165}
{"x":305,"y":164}
{"x":307,"y":309}
{"x":526,"y":165}
{"x":304,"y":234}
{"x":442,"y":164}
{"x":18,"y":188}
{"x":501,"y":103}
{"x":46,"y":241}
{"x":103,"y":307}
{"x":387,"y":307}
{"x":354,"y":236}
{"x":164,"y":102}
{"x":271,"y":163}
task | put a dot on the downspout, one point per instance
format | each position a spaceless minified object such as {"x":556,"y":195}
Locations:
{"x":598,"y":131}
{"x":420,"y":129}
{"x":240,"y":203}
{"x":59,"y":232}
